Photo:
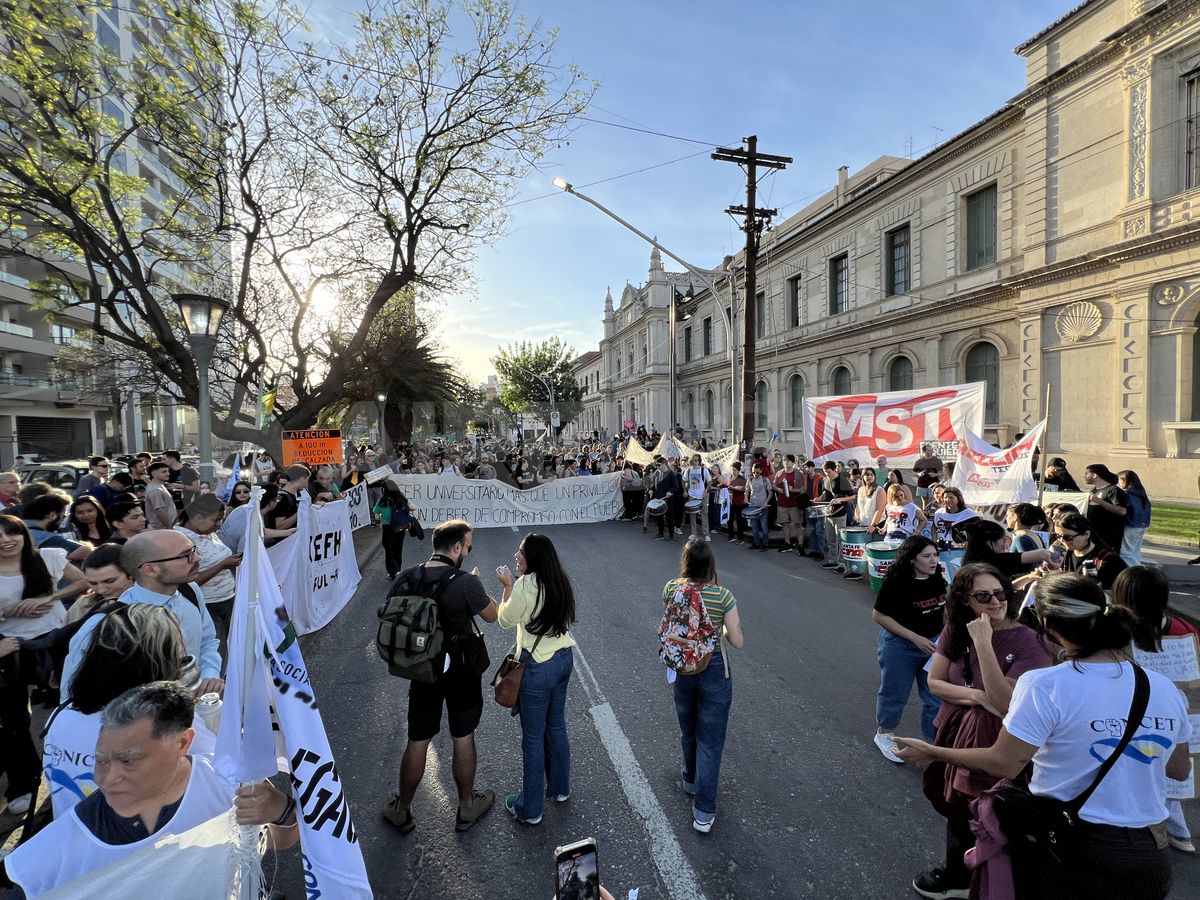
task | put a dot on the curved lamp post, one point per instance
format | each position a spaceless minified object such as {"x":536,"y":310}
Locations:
{"x":380,"y":401}
{"x":202,"y":317}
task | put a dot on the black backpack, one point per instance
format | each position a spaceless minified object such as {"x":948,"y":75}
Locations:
{"x":410,"y":636}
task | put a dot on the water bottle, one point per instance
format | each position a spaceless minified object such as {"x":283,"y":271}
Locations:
{"x":189,"y":674}
{"x":1088,"y":570}
{"x":208,"y":708}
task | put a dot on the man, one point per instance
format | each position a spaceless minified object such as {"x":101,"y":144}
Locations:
{"x":486,"y":471}
{"x":44,"y":515}
{"x":881,"y":469}
{"x":160,"y":504}
{"x":696,"y":479}
{"x":116,"y":489}
{"x":284,"y":515}
{"x":663,"y":484}
{"x":182,"y":474}
{"x":928,"y":469}
{"x":233,"y":528}
{"x":1058,"y":478}
{"x":792,"y":500}
{"x":836,"y":491}
{"x":106,"y":582}
{"x":127,"y":519}
{"x":163,"y":566}
{"x":138,"y":467}
{"x":322,"y":489}
{"x":459,"y":689}
{"x":1107,"y":505}
{"x":98,"y":468}
{"x":10,"y":491}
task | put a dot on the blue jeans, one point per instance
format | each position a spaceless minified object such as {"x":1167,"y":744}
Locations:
{"x":900,"y":663}
{"x":545,"y":750}
{"x":702,"y":704}
{"x":758,"y":529}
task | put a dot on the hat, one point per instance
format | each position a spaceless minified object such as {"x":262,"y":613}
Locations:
{"x":204,"y":505}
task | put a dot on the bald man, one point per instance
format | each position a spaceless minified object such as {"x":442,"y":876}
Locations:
{"x":163,"y":566}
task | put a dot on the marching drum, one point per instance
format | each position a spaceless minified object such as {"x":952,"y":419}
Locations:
{"x":854,"y":549}
{"x":657,"y":507}
{"x":693,"y":506}
{"x":819,"y":511}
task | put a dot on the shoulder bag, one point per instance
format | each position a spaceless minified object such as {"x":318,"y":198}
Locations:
{"x":1049,"y":830}
{"x":507,"y":681}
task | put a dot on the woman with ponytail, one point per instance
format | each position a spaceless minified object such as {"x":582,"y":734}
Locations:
{"x":1066,"y":720}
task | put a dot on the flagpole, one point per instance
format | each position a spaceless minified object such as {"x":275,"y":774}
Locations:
{"x":1042,"y":452}
{"x":254,"y":535}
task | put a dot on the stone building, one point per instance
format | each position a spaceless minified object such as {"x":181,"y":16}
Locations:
{"x":1055,"y":242}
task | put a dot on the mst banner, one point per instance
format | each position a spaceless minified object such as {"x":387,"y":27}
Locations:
{"x":987,"y":475}
{"x":493,"y":504}
{"x":893,"y":424}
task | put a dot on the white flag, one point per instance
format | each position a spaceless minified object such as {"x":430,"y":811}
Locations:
{"x":988,"y":476}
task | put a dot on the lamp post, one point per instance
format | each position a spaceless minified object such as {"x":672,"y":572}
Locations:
{"x":548,"y":384}
{"x":704,"y":275}
{"x":380,"y":401}
{"x":202,"y":317}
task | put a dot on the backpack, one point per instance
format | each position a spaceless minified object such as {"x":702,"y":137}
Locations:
{"x":410,"y":637}
{"x":686,"y":636}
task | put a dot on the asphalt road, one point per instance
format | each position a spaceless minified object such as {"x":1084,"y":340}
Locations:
{"x":807,"y":807}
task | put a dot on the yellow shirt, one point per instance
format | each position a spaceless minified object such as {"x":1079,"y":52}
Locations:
{"x":519,"y":609}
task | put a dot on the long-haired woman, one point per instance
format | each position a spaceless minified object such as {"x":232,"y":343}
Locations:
{"x":900,"y":517}
{"x":702,"y":701}
{"x":1053,"y":722}
{"x":952,"y":512}
{"x":88,"y":521}
{"x":1139,"y":516}
{"x":870,"y":500}
{"x":540,"y":604}
{"x":909,"y":614}
{"x":988,"y":543}
{"x":240,"y":495}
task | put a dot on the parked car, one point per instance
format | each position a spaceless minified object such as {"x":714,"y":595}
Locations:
{"x":62,"y":474}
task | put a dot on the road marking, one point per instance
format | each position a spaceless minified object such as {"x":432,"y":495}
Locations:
{"x":676,"y":872}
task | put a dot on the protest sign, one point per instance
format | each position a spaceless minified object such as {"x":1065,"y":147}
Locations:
{"x":378,"y":474}
{"x":317,"y":565}
{"x":312,"y":446}
{"x":987,"y":475}
{"x":358,"y":505}
{"x":494,"y":504}
{"x":893,"y":424}
{"x":1179,"y":660}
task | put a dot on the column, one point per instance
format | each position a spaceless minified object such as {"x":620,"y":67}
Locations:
{"x":933,"y":362}
{"x":1132,"y":363}
{"x":1031,"y":392}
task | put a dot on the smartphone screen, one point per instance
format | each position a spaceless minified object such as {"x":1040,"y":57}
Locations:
{"x":577,"y":871}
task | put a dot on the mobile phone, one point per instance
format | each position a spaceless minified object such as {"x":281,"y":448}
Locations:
{"x":577,"y":871}
{"x":503,"y":570}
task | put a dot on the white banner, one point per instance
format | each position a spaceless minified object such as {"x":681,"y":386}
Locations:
{"x":675,"y":448}
{"x":494,"y":504}
{"x":358,"y":506}
{"x":318,"y":565}
{"x":893,"y":424}
{"x":987,"y":475}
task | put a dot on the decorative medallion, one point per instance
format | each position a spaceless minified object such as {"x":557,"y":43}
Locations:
{"x":1169,"y":294}
{"x":1078,"y":321}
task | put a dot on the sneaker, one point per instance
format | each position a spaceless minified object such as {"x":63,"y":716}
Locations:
{"x":853,"y":576}
{"x":559,"y":798}
{"x":18,"y":806}
{"x":661,"y":537}
{"x":935,"y":885}
{"x":703,"y":822}
{"x":841,"y":570}
{"x":1183,"y":845}
{"x":829,"y":565}
{"x":787,"y":548}
{"x":884,"y":742}
{"x":1194,"y":562}
{"x":510,"y":803}
{"x":401,"y":818}
{"x":481,"y":802}
{"x":708,"y":537}
{"x":732,"y":540}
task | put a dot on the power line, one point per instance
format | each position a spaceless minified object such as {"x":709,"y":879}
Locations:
{"x":660,"y":165}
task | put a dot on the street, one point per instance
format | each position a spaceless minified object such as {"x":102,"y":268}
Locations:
{"x":807,"y":805}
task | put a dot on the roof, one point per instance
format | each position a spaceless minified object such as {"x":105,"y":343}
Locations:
{"x":589,"y":357}
{"x":1021,"y":48}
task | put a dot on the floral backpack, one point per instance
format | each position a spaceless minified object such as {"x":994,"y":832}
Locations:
{"x":686,"y":636}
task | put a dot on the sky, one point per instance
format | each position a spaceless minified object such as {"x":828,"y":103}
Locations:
{"x":828,"y":84}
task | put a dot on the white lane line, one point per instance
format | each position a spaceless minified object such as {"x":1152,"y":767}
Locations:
{"x":673,"y":867}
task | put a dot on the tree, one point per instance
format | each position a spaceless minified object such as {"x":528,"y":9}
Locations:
{"x":307,"y":187}
{"x":528,"y":369}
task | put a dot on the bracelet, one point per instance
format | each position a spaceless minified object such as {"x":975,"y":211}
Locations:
{"x":287,"y":811}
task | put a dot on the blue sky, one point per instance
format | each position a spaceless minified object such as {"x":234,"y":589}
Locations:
{"x":829,"y":84}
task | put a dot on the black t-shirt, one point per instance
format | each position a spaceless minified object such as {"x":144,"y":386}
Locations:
{"x":916,"y":603}
{"x":286,"y":507}
{"x":463,"y":598}
{"x":1107,"y":561}
{"x":1109,"y":527}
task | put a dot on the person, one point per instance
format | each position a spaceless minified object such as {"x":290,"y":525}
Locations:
{"x":163,"y":566}
{"x":758,"y":497}
{"x":632,"y":493}
{"x":988,"y":542}
{"x":1058,"y":477}
{"x":869,"y":499}
{"x":287,"y":508}
{"x":199,"y":522}
{"x":540,"y":604}
{"x":233,"y":528}
{"x":928,"y":468}
{"x":395,"y":518}
{"x":1145,"y":592}
{"x":835,"y":491}
{"x":954,"y":512}
{"x":321,"y":488}
{"x":183,"y":475}
{"x":1026,"y":522}
{"x":240,"y":495}
{"x":792,"y":504}
{"x":10,"y":490}
{"x":138,"y":471}
{"x":97,"y":474}
{"x":909,"y":612}
{"x":1064,"y":720}
{"x":118,"y":487}
{"x":458,"y":689}
{"x":696,"y":478}
{"x":900,"y":517}
{"x":1107,"y":505}
{"x":485,"y":471}
{"x":981,"y":653}
{"x":127,"y":519}
{"x":736,"y":485}
{"x":160,"y":504}
{"x":264,"y":466}
{"x":881,"y":472}
{"x":149,"y":784}
{"x":703,"y":700}
{"x":106,"y":581}
{"x":88,"y":521}
{"x":665,"y":487}
{"x":44,"y":515}
{"x":1138,"y":518}
{"x":1084,"y":550}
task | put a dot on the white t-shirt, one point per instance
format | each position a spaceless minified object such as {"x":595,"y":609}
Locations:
{"x":697,"y":480}
{"x":900,"y":521}
{"x":11,"y":588}
{"x":944,"y":522}
{"x":212,"y":550}
{"x":1076,"y":718}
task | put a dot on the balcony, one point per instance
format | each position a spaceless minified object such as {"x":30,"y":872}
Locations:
{"x":14,"y":328}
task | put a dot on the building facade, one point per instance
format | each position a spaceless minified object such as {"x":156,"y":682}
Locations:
{"x":1056,"y":243}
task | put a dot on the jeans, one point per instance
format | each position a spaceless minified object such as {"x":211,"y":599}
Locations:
{"x":758,"y":529}
{"x":900,"y":663}
{"x":19,"y":758}
{"x":1131,"y":545}
{"x":702,"y":704}
{"x":545,"y":750}
{"x":1177,"y":826}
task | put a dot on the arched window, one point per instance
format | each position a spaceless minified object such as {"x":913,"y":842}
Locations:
{"x":900,"y":374}
{"x":795,"y":401}
{"x":760,"y":405}
{"x":689,"y":411}
{"x":983,"y":364}
{"x":708,"y":409}
{"x":841,"y":381}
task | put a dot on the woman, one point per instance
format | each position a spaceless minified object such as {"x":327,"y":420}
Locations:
{"x":988,"y":542}
{"x":395,"y":518}
{"x":264,"y":466}
{"x":736,"y":485}
{"x":240,"y":495}
{"x":702,"y":701}
{"x":199,"y":522}
{"x":1026,"y":521}
{"x":632,"y":493}
{"x":540,"y":604}
{"x":981,"y":652}
{"x":1087,"y":552}
{"x":900,"y":518}
{"x":1051,"y":722}
{"x":909,"y":614}
{"x":894,"y":476}
{"x":870,"y":499}
{"x":1138,"y":519}
{"x":1145,"y":592}
{"x":937,"y":499}
{"x":953,"y":512}
{"x":758,"y":497}
{"x":88,"y":521}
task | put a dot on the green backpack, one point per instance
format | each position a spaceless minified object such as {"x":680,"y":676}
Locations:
{"x":410,"y":637}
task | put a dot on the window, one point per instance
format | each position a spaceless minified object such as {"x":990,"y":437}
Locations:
{"x":900,"y":374}
{"x":689,"y":410}
{"x":645,"y":356}
{"x":61,"y":334}
{"x":760,"y":405}
{"x":687,"y":344}
{"x":839,"y":284}
{"x":760,"y":315}
{"x":708,"y":336}
{"x":113,"y":111}
{"x":1191,"y":159}
{"x":618,"y":363}
{"x":899,"y":266}
{"x":981,"y":228}
{"x":841,"y":381}
{"x":793,"y":301}
{"x":796,"y":401}
{"x":709,"y":417}
{"x":983,"y":364}
{"x":108,"y":38}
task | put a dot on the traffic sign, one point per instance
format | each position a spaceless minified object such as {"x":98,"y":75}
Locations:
{"x":555,"y":418}
{"x":312,"y":446}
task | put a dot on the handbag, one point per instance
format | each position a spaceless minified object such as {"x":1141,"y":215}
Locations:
{"x":507,"y":680}
{"x":474,"y":650}
{"x":1049,"y":830}
{"x":415,"y":529}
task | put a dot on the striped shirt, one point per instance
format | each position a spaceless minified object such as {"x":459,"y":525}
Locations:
{"x":717,"y":602}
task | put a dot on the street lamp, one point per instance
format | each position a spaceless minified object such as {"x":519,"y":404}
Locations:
{"x":380,"y":400}
{"x":704,"y":275}
{"x":548,"y":384}
{"x":201,"y":318}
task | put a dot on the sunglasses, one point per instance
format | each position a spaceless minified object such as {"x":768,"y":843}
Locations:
{"x":1066,"y":537}
{"x":189,"y":554}
{"x":984,"y":597}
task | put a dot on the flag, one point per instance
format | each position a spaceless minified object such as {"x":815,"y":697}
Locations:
{"x":988,"y":475}
{"x":233,"y":477}
{"x":266,"y":404}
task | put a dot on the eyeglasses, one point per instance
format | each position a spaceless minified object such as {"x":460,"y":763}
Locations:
{"x":983,"y":597}
{"x":1066,"y":537}
{"x":186,"y":555}
{"x":103,"y":467}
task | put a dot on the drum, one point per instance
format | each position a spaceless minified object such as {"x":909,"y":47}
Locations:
{"x":820,"y":511}
{"x":854,"y":549}
{"x":693,"y":506}
{"x":751,"y":512}
{"x":657,"y":507}
{"x":880,"y":556}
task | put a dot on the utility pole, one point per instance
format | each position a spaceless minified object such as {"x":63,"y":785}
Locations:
{"x":752,"y":223}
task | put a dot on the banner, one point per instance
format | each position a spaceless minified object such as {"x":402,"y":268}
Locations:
{"x":987,"y":475}
{"x":893,"y":424}
{"x":494,"y":504}
{"x":318,"y":566}
{"x":675,"y":448}
{"x":358,"y":506}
